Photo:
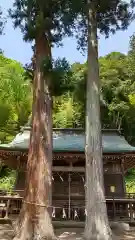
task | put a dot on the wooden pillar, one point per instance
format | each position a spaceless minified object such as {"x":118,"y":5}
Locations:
{"x":7,"y":209}
{"x":123,"y":175}
{"x":69,"y":196}
{"x":114,"y":209}
{"x":20,"y":183}
{"x":131,"y":211}
{"x":20,"y":177}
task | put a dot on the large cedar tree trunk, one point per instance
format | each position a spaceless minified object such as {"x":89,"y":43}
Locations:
{"x":96,"y":225}
{"x":35,"y":217}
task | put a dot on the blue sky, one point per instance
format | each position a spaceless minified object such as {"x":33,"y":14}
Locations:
{"x":14,"y":47}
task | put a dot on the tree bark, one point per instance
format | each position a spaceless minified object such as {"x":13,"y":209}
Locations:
{"x":96,"y":225}
{"x":35,"y":217}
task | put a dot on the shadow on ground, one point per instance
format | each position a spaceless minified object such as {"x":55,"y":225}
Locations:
{"x":6,"y":233}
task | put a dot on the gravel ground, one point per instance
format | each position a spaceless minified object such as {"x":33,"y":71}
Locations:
{"x":6,"y":233}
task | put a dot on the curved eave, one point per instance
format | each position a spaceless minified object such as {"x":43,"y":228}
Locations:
{"x":128,"y":158}
{"x":17,"y":150}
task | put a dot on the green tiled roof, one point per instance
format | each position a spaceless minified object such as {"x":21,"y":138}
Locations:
{"x":64,"y":141}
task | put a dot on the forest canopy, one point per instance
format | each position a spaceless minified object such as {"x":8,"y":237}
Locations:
{"x":117,"y":76}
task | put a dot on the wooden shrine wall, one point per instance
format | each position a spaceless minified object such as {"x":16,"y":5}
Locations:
{"x":67,"y":183}
{"x":20,"y":181}
{"x":114,"y":185}
{"x":114,"y":179}
{"x":63,"y":182}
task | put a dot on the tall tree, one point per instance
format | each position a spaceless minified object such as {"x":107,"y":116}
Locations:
{"x":97,"y":226}
{"x":45,"y":22}
{"x":107,"y":16}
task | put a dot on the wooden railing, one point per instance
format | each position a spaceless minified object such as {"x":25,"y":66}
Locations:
{"x":9,"y":205}
{"x":125,"y":196}
{"x":118,"y":208}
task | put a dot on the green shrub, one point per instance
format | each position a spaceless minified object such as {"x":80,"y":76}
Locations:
{"x":7,"y":179}
{"x":130,"y":181}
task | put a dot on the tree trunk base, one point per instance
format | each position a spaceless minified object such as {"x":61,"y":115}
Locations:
{"x":38,"y":229}
{"x":101,"y":232}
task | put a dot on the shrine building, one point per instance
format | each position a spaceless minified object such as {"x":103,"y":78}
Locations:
{"x":68,"y":180}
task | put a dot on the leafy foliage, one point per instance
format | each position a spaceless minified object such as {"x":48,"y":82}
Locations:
{"x":15,"y":98}
{"x":61,"y":77}
{"x":59,"y":72}
{"x":130,"y":181}
{"x":59,"y":18}
{"x":51,"y":17}
{"x":7,"y":178}
{"x":2,"y":22}
{"x":66,"y":112}
{"x":117,"y":91}
{"x":111,"y":16}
